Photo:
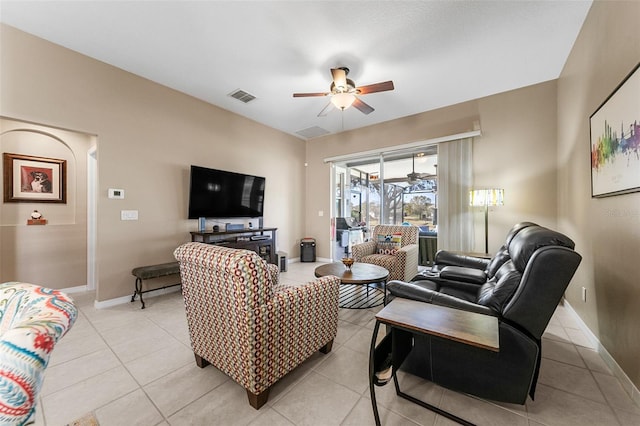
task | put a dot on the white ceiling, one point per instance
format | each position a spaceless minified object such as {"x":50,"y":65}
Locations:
{"x":437,"y":53}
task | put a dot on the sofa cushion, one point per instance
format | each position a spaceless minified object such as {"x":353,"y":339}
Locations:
{"x":530,"y":239}
{"x":396,"y":237}
{"x":497,"y":261}
{"x":388,"y":247}
{"x":514,"y":231}
{"x":387,"y":261}
{"x":458,"y":293}
{"x":498,"y":291}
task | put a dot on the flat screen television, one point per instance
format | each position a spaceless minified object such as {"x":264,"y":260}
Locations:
{"x":221,"y":194}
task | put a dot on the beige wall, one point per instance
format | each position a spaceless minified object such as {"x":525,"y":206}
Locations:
{"x":516,"y":152}
{"x":33,"y":253}
{"x":147,"y":136}
{"x":606,"y":230}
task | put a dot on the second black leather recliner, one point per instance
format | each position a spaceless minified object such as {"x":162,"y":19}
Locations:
{"x":455,"y":267}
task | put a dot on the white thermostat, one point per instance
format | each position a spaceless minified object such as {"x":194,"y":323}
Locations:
{"x":116,"y":193}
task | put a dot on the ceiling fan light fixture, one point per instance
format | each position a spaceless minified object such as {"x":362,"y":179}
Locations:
{"x":343,"y":100}
{"x":343,"y":92}
{"x":413,"y":178}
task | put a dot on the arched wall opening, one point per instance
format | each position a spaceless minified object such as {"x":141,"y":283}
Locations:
{"x":54,"y":255}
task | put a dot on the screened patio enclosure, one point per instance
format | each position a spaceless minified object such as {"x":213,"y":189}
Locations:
{"x":392,"y":189}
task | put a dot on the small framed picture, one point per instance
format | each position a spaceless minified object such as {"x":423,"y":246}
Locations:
{"x":29,"y":179}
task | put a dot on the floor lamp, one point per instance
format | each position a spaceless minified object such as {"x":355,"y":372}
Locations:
{"x":486,"y":198}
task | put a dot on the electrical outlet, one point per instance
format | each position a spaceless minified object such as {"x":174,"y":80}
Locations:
{"x":584,"y":294}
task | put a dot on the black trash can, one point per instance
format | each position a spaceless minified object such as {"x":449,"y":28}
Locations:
{"x":282,"y":261}
{"x":308,"y":250}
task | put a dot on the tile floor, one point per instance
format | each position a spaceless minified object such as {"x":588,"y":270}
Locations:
{"x":135,"y":367}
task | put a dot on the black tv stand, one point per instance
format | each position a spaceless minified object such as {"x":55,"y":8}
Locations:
{"x":265,"y":246}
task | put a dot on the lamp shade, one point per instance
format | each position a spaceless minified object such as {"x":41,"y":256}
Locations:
{"x":486,"y":197}
{"x":343,"y":100}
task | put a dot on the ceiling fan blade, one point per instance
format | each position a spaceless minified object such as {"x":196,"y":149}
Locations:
{"x":326,"y":110}
{"x":339,"y":77}
{"x":377,"y":87}
{"x":363,"y":107}
{"x":304,"y":95}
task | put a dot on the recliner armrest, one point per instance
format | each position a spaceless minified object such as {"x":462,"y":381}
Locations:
{"x":461,"y":273}
{"x":420,"y":291}
{"x":449,"y":258}
{"x":442,"y":282}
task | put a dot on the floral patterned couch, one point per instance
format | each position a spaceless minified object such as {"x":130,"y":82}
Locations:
{"x":32,"y":320}
{"x":247,"y":324}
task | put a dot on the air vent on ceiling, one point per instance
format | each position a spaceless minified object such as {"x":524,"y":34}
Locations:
{"x":242,"y":96}
{"x":312,"y":132}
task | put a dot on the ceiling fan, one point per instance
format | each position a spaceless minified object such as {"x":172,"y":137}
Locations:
{"x":343,"y":92}
{"x":414,"y":178}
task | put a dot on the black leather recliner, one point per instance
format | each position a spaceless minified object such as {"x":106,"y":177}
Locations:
{"x":457,"y":267}
{"x":523,"y":294}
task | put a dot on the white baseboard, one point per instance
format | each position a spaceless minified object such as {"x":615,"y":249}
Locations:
{"x":127,"y":299}
{"x":111,"y":302}
{"x":77,"y":289}
{"x":626,"y":382}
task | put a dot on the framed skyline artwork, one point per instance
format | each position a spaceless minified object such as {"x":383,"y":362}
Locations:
{"x":615,"y":140}
{"x":29,"y":179}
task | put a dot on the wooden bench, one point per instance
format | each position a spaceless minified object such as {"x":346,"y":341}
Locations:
{"x":150,"y":272}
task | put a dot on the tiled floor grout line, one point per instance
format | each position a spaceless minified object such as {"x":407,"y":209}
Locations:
{"x":613,"y":409}
{"x":591,"y":373}
{"x":122,"y":364}
{"x":86,"y":318}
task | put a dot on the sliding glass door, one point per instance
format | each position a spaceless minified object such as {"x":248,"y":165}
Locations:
{"x":394,"y":188}
{"x":354,"y":208}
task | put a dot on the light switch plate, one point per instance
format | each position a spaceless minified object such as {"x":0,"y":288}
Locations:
{"x":128,"y":214}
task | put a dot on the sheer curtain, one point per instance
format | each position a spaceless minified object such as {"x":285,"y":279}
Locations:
{"x":455,"y":179}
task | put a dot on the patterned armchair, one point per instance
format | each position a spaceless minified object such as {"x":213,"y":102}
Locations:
{"x":32,"y":320}
{"x":247,"y":324}
{"x":402,"y":261}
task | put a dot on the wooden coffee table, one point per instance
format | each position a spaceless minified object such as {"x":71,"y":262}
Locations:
{"x":352,"y":294}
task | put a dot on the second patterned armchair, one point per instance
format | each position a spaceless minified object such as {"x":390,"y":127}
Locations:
{"x":393,"y":247}
{"x":247,"y":324}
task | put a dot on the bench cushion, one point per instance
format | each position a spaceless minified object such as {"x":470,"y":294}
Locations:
{"x":155,"y":271}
